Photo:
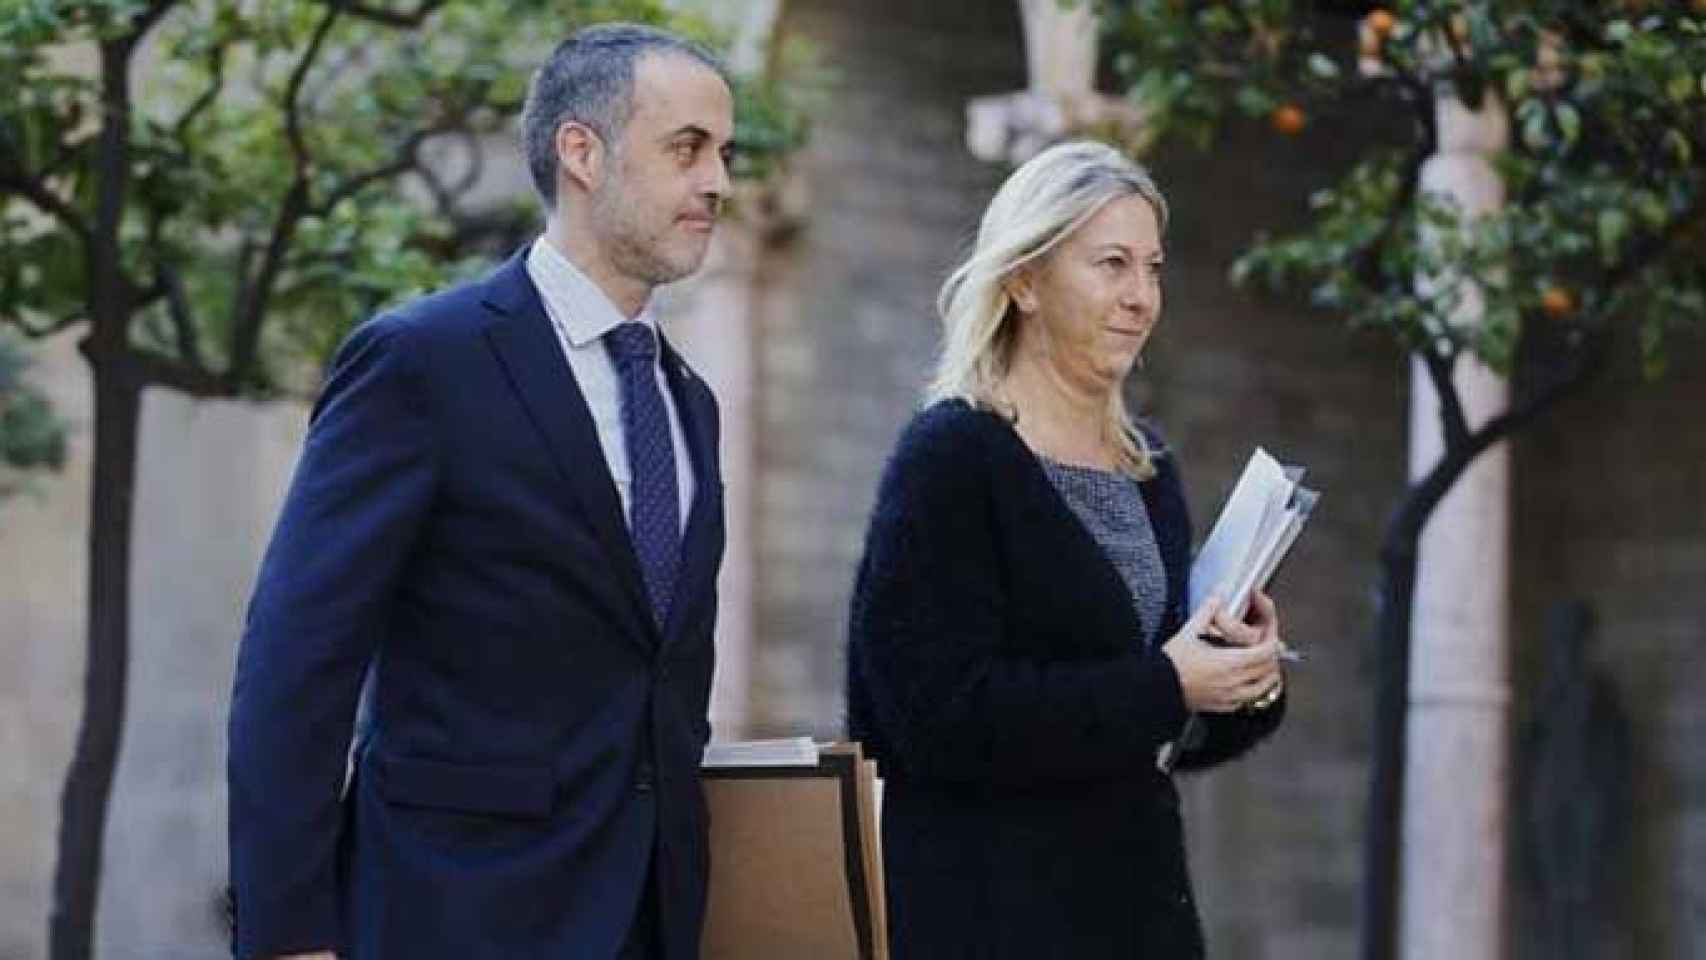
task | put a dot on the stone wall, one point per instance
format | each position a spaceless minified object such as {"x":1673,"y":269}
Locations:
{"x":846,"y":328}
{"x":1610,"y":509}
{"x":210,"y":476}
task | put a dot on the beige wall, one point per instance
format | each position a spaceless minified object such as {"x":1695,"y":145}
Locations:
{"x":209,"y":479}
{"x":42,"y":542}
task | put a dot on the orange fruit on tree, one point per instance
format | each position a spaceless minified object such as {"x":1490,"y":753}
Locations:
{"x":1557,"y":302}
{"x":1369,"y":43}
{"x":1460,"y":28}
{"x":1289,"y":119}
{"x":1381,"y":21}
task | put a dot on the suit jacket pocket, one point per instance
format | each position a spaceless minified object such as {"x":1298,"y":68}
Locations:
{"x":521,"y":792}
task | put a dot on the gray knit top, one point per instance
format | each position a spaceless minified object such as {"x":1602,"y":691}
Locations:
{"x":1110,"y":505}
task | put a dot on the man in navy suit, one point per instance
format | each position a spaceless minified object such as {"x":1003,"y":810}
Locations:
{"x":507,"y":520}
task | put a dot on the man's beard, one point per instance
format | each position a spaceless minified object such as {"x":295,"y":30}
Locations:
{"x":632,"y":250}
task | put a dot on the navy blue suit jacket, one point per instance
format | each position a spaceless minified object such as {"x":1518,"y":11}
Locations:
{"x":532,"y":738}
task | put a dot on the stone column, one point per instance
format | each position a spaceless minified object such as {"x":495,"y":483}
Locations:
{"x":712,"y":319}
{"x":1458,"y":727}
{"x":1060,"y":46}
{"x":1060,"y":53}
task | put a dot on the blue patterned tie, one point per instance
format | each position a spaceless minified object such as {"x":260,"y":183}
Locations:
{"x":654,"y":517}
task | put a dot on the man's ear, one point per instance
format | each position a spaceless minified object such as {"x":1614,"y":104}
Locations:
{"x":580,"y":154}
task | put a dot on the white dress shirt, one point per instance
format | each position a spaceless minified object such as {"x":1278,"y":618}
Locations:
{"x":582,"y":314}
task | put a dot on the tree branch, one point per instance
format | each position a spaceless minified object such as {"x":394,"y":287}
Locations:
{"x":216,"y":65}
{"x":293,"y":91}
{"x":1451,"y":419}
{"x":1588,"y":359}
{"x":146,"y":20}
{"x":107,"y":286}
{"x":389,"y":18}
{"x":178,"y":308}
{"x":45,"y":200}
{"x":1368,"y":261}
{"x":151,"y":369}
{"x":476,"y":161}
{"x":443,"y":197}
{"x":1649,"y":247}
{"x":254,"y":296}
{"x":407,"y":158}
{"x":249,"y":308}
{"x":34,"y":332}
{"x":354,"y":185}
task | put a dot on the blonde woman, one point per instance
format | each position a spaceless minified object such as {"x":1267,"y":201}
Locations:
{"x":1019,"y":647}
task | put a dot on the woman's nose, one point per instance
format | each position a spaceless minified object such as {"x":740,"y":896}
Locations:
{"x":1139,"y":296}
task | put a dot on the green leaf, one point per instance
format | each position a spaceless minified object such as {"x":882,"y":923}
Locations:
{"x":1613,"y":226}
{"x":1323,"y":66}
{"x":1255,"y":101}
{"x":1535,"y":133}
{"x":1651,"y":209}
{"x":1681,"y":87}
{"x":1653,"y":359}
{"x":1516,"y":85}
{"x":1569,"y":122}
{"x":1679,"y":147}
{"x":31,"y":436}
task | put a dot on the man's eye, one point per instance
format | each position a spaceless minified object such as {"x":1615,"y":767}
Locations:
{"x":1113,"y":263}
{"x":686,"y":150}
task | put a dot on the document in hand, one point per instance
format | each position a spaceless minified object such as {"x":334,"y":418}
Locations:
{"x":796,"y":859}
{"x":1261,"y":520}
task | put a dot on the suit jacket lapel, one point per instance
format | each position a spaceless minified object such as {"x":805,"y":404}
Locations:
{"x":698,"y":547}
{"x":525,"y":343}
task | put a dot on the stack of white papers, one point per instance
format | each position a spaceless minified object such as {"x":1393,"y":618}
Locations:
{"x":784,"y":752}
{"x":1261,"y":520}
{"x":1258,"y":525}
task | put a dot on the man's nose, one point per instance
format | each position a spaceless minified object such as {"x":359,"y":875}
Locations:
{"x":718,"y":185}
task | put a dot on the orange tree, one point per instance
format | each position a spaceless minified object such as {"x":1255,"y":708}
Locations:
{"x":1600,"y":245}
{"x":210,"y":192}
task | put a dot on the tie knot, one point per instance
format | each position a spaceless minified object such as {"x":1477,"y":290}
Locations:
{"x":632,"y":342}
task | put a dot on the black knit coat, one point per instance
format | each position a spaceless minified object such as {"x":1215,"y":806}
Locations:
{"x":994,"y":669}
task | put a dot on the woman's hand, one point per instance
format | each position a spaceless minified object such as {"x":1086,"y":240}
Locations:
{"x":1222,"y":679}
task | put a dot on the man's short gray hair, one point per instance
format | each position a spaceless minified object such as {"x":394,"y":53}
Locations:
{"x":589,"y":79}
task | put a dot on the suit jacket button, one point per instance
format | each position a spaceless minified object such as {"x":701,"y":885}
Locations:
{"x":643,"y":780}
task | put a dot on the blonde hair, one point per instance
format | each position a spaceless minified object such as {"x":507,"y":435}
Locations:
{"x":1043,"y":201}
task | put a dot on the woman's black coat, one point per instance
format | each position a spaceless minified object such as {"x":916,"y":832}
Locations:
{"x":995,"y":671}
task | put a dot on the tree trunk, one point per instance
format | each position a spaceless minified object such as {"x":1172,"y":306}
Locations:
{"x":88,"y":783}
{"x":1386,"y":790}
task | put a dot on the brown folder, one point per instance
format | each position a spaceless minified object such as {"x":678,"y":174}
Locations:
{"x":796,"y":861}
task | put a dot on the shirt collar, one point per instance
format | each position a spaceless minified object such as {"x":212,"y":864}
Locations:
{"x":583,"y":310}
